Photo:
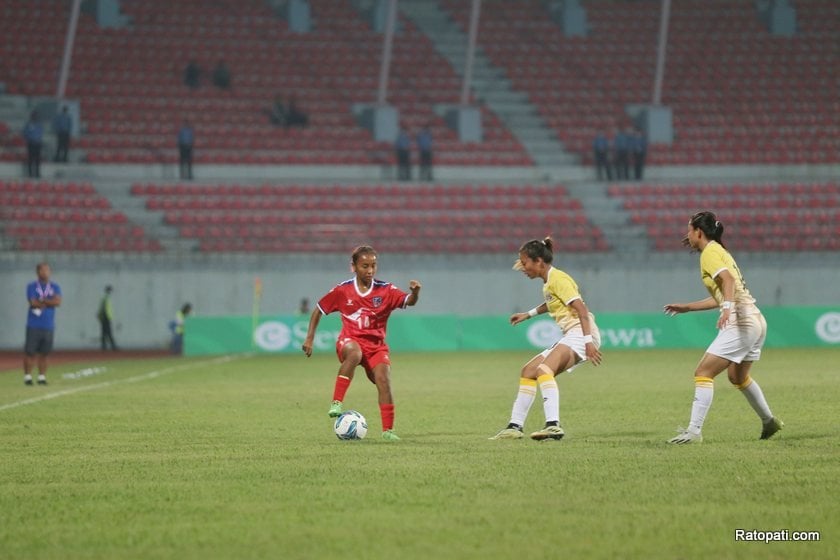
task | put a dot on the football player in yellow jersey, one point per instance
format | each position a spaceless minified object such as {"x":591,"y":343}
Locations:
{"x":580,"y":341}
{"x":741,"y":329}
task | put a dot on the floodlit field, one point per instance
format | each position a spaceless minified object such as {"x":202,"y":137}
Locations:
{"x":209,"y":458}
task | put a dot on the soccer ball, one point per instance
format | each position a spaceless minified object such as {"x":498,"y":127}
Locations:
{"x":351,"y":425}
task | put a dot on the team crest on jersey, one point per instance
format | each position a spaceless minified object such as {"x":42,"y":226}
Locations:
{"x":377,"y":301}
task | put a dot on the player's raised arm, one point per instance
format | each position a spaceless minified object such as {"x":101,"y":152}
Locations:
{"x":517,"y":318}
{"x":414,"y":295}
{"x":672,"y":309}
{"x":314,"y":319}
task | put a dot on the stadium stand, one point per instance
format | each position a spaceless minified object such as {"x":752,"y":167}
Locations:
{"x":133,"y":98}
{"x":757,"y":217}
{"x":47,"y":216}
{"x":765,"y":100}
{"x":332,"y":218}
{"x":739,"y":95}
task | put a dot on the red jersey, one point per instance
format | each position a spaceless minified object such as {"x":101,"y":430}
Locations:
{"x":363,"y":315}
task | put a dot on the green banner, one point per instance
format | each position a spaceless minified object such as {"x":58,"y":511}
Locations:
{"x":788,"y":327}
{"x":224,"y":335}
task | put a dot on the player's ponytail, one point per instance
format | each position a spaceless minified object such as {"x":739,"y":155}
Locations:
{"x":708,"y":223}
{"x":536,"y":248}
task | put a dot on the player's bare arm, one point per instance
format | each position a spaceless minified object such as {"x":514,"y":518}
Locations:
{"x":314,"y":319}
{"x":726,"y":282}
{"x":517,"y":318}
{"x":700,"y":305}
{"x":592,"y":353}
{"x":414,"y":295}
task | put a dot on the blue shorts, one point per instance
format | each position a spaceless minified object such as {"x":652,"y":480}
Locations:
{"x":38,"y":341}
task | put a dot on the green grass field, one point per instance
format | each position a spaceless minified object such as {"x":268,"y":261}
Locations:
{"x":210,"y":458}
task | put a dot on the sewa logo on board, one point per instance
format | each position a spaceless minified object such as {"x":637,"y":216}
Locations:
{"x":628,"y":338}
{"x":275,"y":336}
{"x":543,"y":334}
{"x":272,"y":336}
{"x":827,"y":327}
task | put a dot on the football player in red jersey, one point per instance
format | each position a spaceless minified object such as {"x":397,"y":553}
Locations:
{"x":365,"y":304}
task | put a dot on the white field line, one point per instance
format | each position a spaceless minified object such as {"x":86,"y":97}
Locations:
{"x":134,"y":379}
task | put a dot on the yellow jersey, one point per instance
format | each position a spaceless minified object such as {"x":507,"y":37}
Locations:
{"x":713,"y":260}
{"x":559,"y":291}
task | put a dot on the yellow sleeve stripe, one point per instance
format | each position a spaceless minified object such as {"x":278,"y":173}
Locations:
{"x":527,"y":382}
{"x":707,"y":382}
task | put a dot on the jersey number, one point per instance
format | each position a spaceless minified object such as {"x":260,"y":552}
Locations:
{"x":363,"y":322}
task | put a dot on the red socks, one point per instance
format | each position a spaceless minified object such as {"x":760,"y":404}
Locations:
{"x":341,"y":385}
{"x":387,"y":413}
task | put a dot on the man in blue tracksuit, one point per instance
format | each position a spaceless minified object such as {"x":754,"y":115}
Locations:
{"x":621,"y":153}
{"x":403,"y":148}
{"x":33,"y":133}
{"x":601,"y":154}
{"x":424,"y":145}
{"x":186,"y":139}
{"x":63,"y":125}
{"x":639,"y":153}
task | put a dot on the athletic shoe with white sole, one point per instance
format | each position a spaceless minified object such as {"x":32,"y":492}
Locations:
{"x":549,"y":432}
{"x":686,"y":436}
{"x":509,"y":433}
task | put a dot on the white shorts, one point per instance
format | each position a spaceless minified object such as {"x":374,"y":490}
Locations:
{"x":574,"y":340}
{"x":741,"y":339}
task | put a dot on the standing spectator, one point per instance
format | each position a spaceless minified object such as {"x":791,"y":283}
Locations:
{"x":639,"y":153}
{"x":221,"y":76}
{"x":33,"y":133}
{"x":105,"y":314}
{"x":403,"y":148}
{"x":295,"y":116}
{"x":192,"y":75}
{"x":621,"y":147}
{"x":63,"y":125}
{"x":186,"y":140}
{"x":601,"y":151}
{"x":177,"y":328}
{"x":424,"y":145}
{"x":43,"y":297}
{"x":277,"y":113}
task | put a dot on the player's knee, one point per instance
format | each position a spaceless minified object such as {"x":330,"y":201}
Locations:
{"x":528,"y":372}
{"x":352,"y":354}
{"x":738,"y":379}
